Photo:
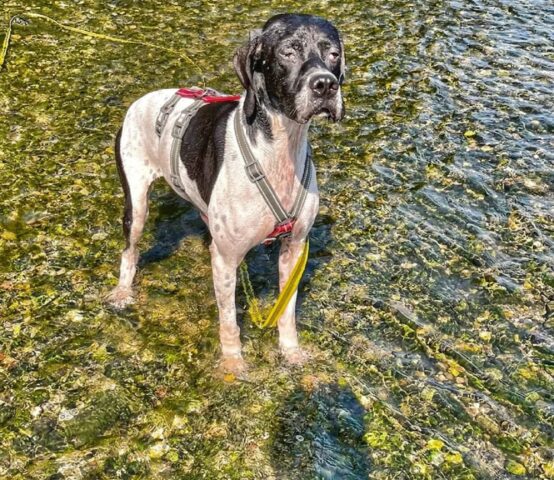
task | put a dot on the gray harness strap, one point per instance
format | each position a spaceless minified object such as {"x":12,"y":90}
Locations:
{"x":304,"y":185}
{"x":168,"y":106}
{"x":179,"y":129}
{"x":256,"y":175}
{"x":165,"y":111}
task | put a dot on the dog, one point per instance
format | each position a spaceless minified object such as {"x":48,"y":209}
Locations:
{"x":291,"y":70}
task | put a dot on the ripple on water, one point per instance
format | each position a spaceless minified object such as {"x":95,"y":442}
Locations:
{"x":430,"y":294}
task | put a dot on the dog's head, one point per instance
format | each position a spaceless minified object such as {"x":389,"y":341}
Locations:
{"x":294,"y":65}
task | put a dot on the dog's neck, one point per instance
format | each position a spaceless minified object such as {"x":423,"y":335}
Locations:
{"x":281,"y":146}
{"x":286,"y":151}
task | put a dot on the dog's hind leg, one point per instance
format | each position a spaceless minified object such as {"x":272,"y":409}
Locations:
{"x":136,"y":178}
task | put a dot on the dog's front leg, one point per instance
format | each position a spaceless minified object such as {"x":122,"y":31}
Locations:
{"x":288,"y":338}
{"x":224,"y":270}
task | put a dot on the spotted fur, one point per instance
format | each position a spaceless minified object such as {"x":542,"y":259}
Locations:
{"x":282,"y":93}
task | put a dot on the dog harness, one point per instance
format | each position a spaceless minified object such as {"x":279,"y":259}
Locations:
{"x":254,"y":171}
{"x":183,"y":120}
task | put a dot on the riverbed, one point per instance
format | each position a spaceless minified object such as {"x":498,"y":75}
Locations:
{"x":428,"y":298}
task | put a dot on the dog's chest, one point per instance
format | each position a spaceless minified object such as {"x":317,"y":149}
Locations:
{"x":238,"y":212}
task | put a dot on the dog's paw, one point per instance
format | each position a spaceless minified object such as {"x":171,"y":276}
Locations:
{"x":235,"y":365}
{"x":295,"y":356}
{"x":120,"y":297}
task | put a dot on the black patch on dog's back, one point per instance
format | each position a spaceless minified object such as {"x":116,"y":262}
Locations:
{"x":203,"y":145}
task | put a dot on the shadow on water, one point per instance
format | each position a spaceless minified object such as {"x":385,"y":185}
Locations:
{"x":319,"y":434}
{"x":175,"y":220}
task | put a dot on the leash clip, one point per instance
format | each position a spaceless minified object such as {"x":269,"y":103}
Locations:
{"x":281,"y":230}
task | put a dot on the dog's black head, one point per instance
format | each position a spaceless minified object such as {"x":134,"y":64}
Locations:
{"x":294,"y":65}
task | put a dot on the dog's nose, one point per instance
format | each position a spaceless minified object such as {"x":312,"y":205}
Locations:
{"x":324,"y":84}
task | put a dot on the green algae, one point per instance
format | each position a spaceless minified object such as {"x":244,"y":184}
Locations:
{"x":427,"y":303}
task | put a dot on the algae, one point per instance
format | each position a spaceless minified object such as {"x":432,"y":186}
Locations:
{"x":428,"y":298}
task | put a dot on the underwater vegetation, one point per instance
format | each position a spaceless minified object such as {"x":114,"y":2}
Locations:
{"x":428,"y":298}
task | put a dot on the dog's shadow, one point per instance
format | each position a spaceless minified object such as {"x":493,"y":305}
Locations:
{"x":318,"y":433}
{"x":175,"y":219}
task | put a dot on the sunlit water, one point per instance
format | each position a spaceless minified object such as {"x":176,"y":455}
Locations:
{"x":428,"y":301}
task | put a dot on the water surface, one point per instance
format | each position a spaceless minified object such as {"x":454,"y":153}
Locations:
{"x":428,"y":301}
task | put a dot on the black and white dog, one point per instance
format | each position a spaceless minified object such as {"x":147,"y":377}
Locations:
{"x":291,"y":70}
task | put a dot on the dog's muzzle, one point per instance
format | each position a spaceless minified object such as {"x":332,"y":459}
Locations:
{"x":322,"y":97}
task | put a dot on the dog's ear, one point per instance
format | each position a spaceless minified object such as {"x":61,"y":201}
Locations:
{"x":342,"y":63}
{"x":243,"y":63}
{"x":242,"y":60}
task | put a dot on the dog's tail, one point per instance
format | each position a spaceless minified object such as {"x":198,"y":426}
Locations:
{"x":128,"y":212}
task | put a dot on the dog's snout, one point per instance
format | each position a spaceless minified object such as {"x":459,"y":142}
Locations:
{"x":324,"y":84}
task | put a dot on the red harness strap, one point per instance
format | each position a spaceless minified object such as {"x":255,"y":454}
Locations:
{"x":281,"y":230}
{"x":208,"y":95}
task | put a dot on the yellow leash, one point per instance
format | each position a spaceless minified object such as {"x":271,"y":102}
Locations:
{"x":6,"y":41}
{"x":284,"y":296}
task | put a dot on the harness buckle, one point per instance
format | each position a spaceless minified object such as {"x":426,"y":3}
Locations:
{"x":167,"y":108}
{"x":254,"y":172}
{"x":280,"y":231}
{"x":180,"y":124}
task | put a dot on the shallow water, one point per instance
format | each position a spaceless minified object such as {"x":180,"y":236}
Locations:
{"x":428,"y":300}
